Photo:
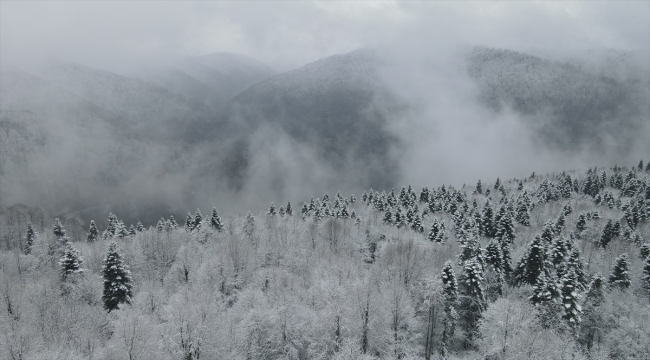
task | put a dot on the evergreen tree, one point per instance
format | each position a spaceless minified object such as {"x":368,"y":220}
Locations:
{"x":58,"y":229}
{"x":479,"y":188}
{"x":272,"y":208}
{"x":189,"y":222}
{"x":29,"y":239}
{"x":494,"y":259}
{"x":523,"y":216}
{"x":121,"y":231}
{"x":132,"y":230}
{"x":545,"y":290}
{"x":489,"y":229}
{"x":93,"y":233}
{"x":281,"y":212}
{"x":505,"y":228}
{"x":472,"y":299}
{"x":620,"y":276}
{"x":117,"y":279}
{"x":581,"y":225}
{"x":304,"y":211}
{"x":437,"y":232}
{"x":548,"y":232}
{"x":570,"y":299}
{"x":531,"y":264}
{"x":645,"y":279}
{"x":424,"y":195}
{"x":198,"y":219}
{"x":560,"y":223}
{"x":450,"y":305}
{"x":497,"y":184}
{"x":289,"y":210}
{"x":139,"y":227}
{"x":70,"y":262}
{"x":215,"y":220}
{"x":388,"y":217}
{"x":644,"y":250}
{"x":610,"y":231}
{"x":173,"y":222}
{"x":161,"y":225}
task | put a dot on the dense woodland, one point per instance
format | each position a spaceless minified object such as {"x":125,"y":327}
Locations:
{"x":550,"y":266}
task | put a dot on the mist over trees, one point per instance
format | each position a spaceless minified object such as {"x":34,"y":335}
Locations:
{"x":396,"y":274}
{"x":227,"y":126}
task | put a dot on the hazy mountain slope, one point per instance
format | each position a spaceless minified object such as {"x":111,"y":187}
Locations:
{"x":212,"y":79}
{"x":336,"y":106}
{"x":571,"y":105}
{"x":141,"y":107}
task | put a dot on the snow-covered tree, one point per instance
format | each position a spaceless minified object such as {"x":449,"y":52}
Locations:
{"x":58,"y":229}
{"x":532,"y":264}
{"x":93,"y":233}
{"x":289,"y":210}
{"x":70,"y":262}
{"x":645,"y":279}
{"x":271,"y":210}
{"x":620,"y":276}
{"x":215,"y":220}
{"x":644,"y":250}
{"x":117,"y":279}
{"x":450,"y":305}
{"x":571,"y":299}
{"x":472,"y":299}
{"x":29,"y":239}
{"x":198,"y":219}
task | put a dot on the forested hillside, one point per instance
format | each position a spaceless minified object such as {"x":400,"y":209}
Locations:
{"x":548,"y":266}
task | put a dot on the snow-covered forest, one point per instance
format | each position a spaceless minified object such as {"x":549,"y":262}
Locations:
{"x":550,"y":266}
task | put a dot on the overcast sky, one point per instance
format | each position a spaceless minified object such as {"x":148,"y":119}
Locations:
{"x":119,"y":36}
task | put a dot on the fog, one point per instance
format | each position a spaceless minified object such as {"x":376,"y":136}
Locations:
{"x":443,"y":134}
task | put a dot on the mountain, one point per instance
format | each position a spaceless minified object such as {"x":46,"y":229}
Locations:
{"x":212,"y":79}
{"x":572,"y":104}
{"x":338,"y":107}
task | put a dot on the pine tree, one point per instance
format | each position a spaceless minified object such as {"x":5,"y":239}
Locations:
{"x":198,"y":219}
{"x":472,"y":300}
{"x":215,"y":220}
{"x":289,"y":210}
{"x":523,"y":216}
{"x":450,"y":305}
{"x":479,"y":188}
{"x":489,"y":228}
{"x":70,"y":261}
{"x":531,"y":264}
{"x":497,"y":184}
{"x":609,"y":232}
{"x":161,"y":225}
{"x":173,"y":222}
{"x":117,"y":280}
{"x":121,"y":231}
{"x":645,"y":279}
{"x":505,"y":228}
{"x":58,"y":229}
{"x":644,"y":251}
{"x":620,"y":276}
{"x":29,"y":239}
{"x":494,"y":259}
{"x":189,"y":222}
{"x":545,"y":290}
{"x":132,"y":230}
{"x":570,"y":299}
{"x":93,"y":233}
{"x":139,"y":227}
{"x":272,"y":208}
{"x":388,"y":217}
{"x":281,"y":212}
{"x":581,"y":225}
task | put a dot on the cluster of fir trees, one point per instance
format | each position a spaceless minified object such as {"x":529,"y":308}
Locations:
{"x":551,"y":265}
